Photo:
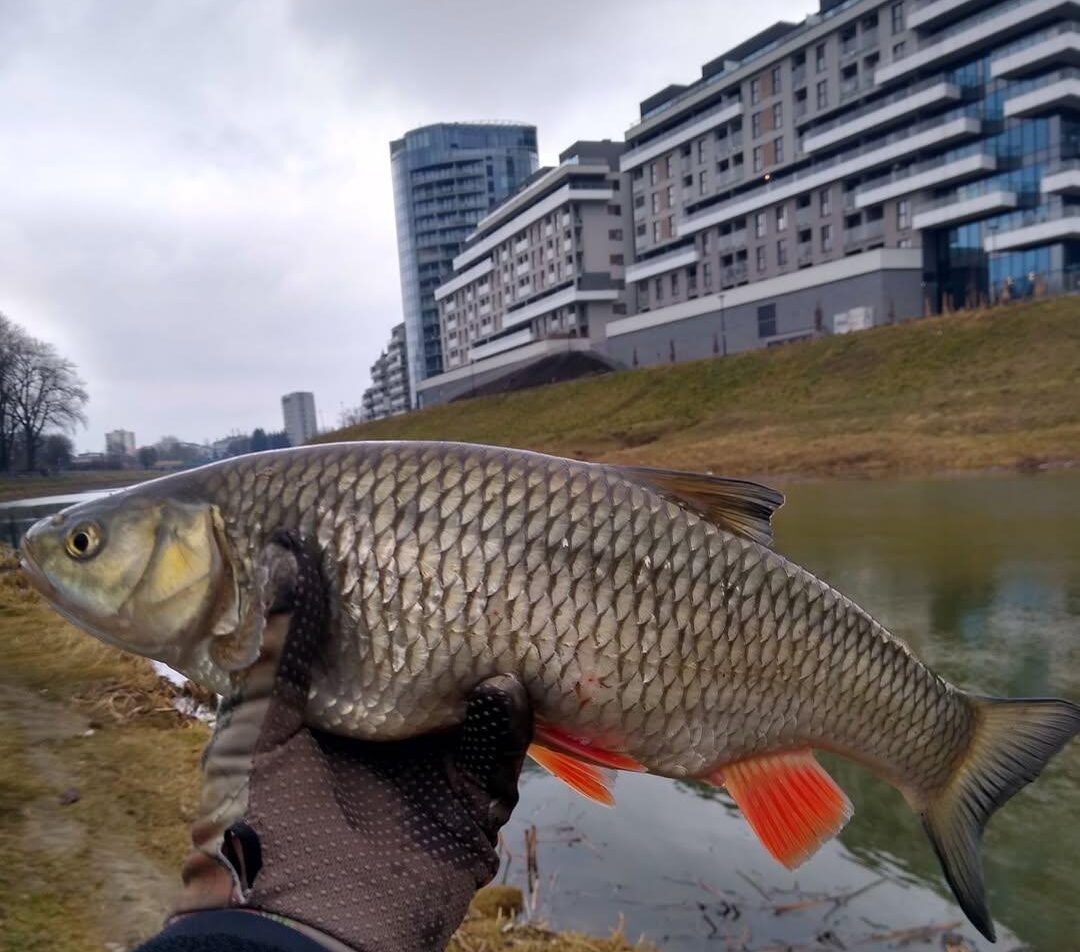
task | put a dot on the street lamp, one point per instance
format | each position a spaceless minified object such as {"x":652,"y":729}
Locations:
{"x":723,"y":327}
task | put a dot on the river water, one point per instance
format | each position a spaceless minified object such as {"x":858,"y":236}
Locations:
{"x":982,"y":578}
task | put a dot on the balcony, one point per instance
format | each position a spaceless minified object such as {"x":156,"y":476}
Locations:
{"x":980,"y":30}
{"x":683,"y":132}
{"x":1057,"y":47}
{"x":650,"y":267}
{"x":733,"y":274}
{"x":1036,"y":228}
{"x":855,"y":86}
{"x":936,"y":13}
{"x":501,"y":344}
{"x":1062,"y":179}
{"x":805,"y":253}
{"x":732,"y":241}
{"x":931,"y":174}
{"x":881,"y":113}
{"x":864,"y":234}
{"x":798,"y":76}
{"x":1049,"y":93}
{"x":955,"y":209}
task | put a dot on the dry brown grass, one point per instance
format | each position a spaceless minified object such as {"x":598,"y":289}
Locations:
{"x":965,"y":392}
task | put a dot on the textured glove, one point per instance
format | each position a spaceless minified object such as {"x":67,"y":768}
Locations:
{"x":379,"y":846}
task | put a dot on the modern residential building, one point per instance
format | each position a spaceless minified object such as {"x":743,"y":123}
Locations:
{"x":880,"y":159}
{"x":388,"y":394}
{"x":542,"y":273}
{"x":120,"y":443}
{"x":298,"y":410}
{"x":446,"y":178}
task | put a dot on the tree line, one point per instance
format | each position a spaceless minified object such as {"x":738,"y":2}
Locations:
{"x":40,"y":392}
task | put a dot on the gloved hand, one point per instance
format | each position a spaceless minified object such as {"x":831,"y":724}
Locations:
{"x":379,"y":846}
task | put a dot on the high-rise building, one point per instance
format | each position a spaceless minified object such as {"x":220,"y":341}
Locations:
{"x":542,"y":274}
{"x":120,"y":443}
{"x":298,"y":410}
{"x":388,"y":394}
{"x":881,"y":159}
{"x":446,"y":178}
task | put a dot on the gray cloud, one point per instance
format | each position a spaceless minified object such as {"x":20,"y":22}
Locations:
{"x":196,"y":201}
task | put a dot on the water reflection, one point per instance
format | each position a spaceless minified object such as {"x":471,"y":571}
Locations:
{"x":982,"y":578}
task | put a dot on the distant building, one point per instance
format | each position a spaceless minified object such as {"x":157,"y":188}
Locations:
{"x":388,"y":394}
{"x":120,"y":443}
{"x":299,"y":411}
{"x":542,"y":274}
{"x":446,"y":177}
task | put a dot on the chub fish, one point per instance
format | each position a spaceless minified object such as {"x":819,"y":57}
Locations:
{"x":650,"y":620}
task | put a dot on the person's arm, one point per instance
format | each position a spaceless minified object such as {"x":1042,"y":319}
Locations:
{"x":369,"y":846}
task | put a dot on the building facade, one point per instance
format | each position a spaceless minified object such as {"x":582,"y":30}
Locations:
{"x":879,"y":160}
{"x":120,"y":443}
{"x":542,"y":274}
{"x":446,"y":178}
{"x":389,"y":394}
{"x":298,"y":409}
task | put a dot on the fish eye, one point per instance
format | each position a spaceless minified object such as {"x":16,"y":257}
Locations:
{"x":83,"y":541}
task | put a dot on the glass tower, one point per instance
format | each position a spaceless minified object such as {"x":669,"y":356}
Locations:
{"x":446,"y":178}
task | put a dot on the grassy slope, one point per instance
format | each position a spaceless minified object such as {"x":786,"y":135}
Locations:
{"x":968,"y":391}
{"x":100,"y":872}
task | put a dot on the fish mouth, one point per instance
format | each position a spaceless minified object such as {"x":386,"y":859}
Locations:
{"x":31,"y":571}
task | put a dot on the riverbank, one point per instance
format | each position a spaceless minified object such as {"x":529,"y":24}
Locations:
{"x":100,"y":780}
{"x":32,"y":487}
{"x":989,"y":390}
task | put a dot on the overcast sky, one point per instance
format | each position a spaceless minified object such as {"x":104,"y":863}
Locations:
{"x":196,"y":197}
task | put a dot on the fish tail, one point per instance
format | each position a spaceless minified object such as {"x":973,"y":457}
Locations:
{"x":1012,"y":742}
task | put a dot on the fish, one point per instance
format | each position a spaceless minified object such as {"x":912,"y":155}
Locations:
{"x":647,"y":614}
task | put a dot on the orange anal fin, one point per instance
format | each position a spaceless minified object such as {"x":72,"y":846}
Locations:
{"x":791,"y":803}
{"x":588,"y":780}
{"x":555,"y":739}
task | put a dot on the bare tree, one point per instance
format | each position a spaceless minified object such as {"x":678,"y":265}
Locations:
{"x":13,"y":342}
{"x":45,"y":392}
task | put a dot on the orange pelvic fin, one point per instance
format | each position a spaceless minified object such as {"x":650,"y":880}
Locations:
{"x":555,"y":739}
{"x":588,"y":780}
{"x":791,"y":803}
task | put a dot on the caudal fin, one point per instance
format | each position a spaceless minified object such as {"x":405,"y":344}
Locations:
{"x":1012,"y":743}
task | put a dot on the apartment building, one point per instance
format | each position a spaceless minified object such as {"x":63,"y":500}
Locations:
{"x":542,"y":273}
{"x":388,"y":394}
{"x":878,"y":160}
{"x":298,"y":411}
{"x":446,"y":178}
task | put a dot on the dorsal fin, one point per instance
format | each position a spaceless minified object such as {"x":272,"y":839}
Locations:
{"x":737,"y":505}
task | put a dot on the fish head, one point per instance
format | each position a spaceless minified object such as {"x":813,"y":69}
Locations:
{"x":144,"y":574}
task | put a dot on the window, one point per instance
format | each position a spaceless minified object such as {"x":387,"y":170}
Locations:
{"x":819,"y":55}
{"x":766,"y":320}
{"x":899,"y":50}
{"x":781,"y":217}
{"x":755,"y":124}
{"x":655,"y":203}
{"x":897,"y":11}
{"x":706,"y":242}
{"x":781,"y":252}
{"x":706,"y":274}
{"x":778,"y":150}
{"x":702,"y":182}
{"x":671,"y":226}
{"x":652,"y":173}
{"x":674,"y":283}
{"x":826,"y":237}
{"x":671,"y":196}
{"x":615,"y":259}
{"x":701,"y":149}
{"x":775,"y":77}
{"x":615,"y":234}
{"x":903,"y":213}
{"x":667,"y":167}
{"x":759,"y":158}
{"x":761,"y":258}
{"x":640,"y":230}
{"x":655,"y":231}
{"x":755,"y":91}
{"x":823,"y":94}
{"x":691,"y":280}
{"x":658,"y":287}
{"x":825,"y":201}
{"x":778,"y":115}
{"x":614,"y":209}
{"x":759,"y":225}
